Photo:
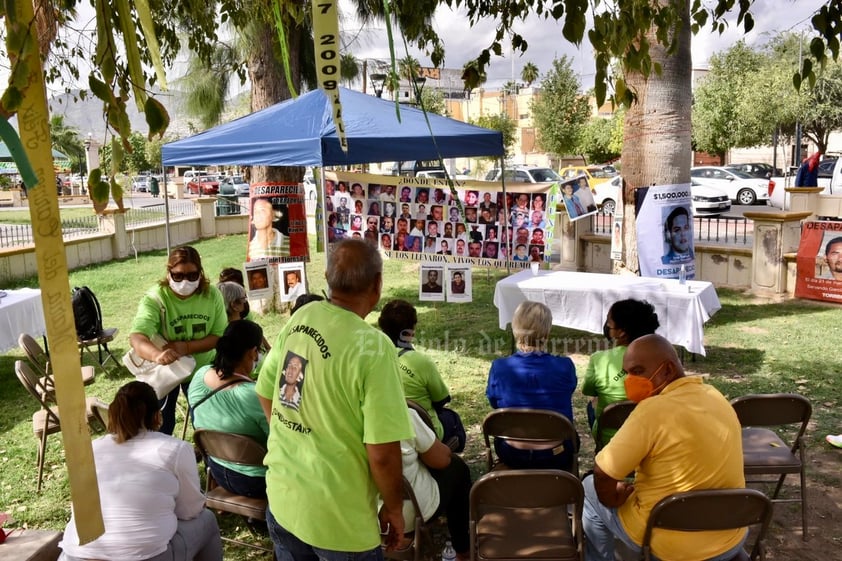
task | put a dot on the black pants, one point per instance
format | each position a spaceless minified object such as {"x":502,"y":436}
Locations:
{"x":454,"y":483}
{"x":168,"y":408}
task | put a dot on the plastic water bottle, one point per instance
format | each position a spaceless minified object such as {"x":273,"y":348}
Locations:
{"x":682,"y":275}
{"x":448,"y":553}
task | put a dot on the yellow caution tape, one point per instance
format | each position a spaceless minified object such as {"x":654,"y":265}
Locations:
{"x":33,"y":122}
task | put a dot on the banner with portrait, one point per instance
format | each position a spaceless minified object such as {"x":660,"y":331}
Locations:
{"x":292,"y":280}
{"x":420,"y":219}
{"x":577,"y":198}
{"x":277,"y":223}
{"x":819,"y":262}
{"x":665,"y":231}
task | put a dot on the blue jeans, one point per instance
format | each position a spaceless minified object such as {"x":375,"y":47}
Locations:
{"x":517,"y":458}
{"x":602,"y":526}
{"x":168,"y":408}
{"x":290,"y":548}
{"x":237,"y":483}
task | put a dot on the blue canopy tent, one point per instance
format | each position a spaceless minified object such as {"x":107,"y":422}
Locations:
{"x":301,"y":132}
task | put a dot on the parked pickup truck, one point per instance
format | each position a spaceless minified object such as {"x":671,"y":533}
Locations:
{"x":830,"y":178}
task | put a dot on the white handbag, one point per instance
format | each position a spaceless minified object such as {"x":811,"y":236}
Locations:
{"x":162,"y":377}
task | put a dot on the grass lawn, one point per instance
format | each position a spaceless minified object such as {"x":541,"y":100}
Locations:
{"x":753,"y":346}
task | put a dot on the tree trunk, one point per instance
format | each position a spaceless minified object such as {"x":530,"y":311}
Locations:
{"x":269,"y":86}
{"x":656,"y":138}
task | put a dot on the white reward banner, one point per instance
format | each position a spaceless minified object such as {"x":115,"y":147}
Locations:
{"x":665,"y":231}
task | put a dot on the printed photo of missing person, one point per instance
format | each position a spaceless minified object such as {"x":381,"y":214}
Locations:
{"x":471,"y":197}
{"x":445,"y":246}
{"x":292,"y":381}
{"x":374,"y":190}
{"x":491,"y":233}
{"x":388,"y":208}
{"x":413,"y":243}
{"x":458,"y":283}
{"x":471,"y":214}
{"x":405,"y":194}
{"x":356,"y":222}
{"x":537,"y":237}
{"x":386,"y":242}
{"x":439,"y":196}
{"x":422,"y":195}
{"x":431,"y":278}
{"x":490,"y":250}
{"x":436,"y":213}
{"x":536,"y":253}
{"x":258,"y":278}
{"x":678,"y":235}
{"x":294,"y":286}
{"x":357,"y":191}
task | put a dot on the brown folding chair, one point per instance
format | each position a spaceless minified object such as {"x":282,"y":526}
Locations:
{"x":527,"y":514}
{"x":711,"y":509}
{"x":453,"y":443}
{"x":40,"y":361}
{"x":612,"y":418}
{"x":420,"y":534}
{"x":45,"y":421}
{"x":765,"y":452}
{"x":239,"y":449}
{"x":535,"y":425}
{"x":101,"y":343}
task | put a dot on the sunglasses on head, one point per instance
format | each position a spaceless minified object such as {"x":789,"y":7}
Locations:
{"x":192,"y":276}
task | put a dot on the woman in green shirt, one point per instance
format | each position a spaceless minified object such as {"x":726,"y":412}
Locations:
{"x":626,"y":321}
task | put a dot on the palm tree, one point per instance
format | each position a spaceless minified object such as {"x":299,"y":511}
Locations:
{"x":207,"y":86}
{"x":410,"y":68}
{"x":349,"y":68}
{"x":529,"y":73}
{"x":66,"y":140}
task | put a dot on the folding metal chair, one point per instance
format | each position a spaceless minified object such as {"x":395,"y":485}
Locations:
{"x":714,"y":509}
{"x":528,"y":424}
{"x":239,"y":449}
{"x":101,"y":343}
{"x":765,"y":452}
{"x":421,"y":539}
{"x":45,"y":421}
{"x":612,"y":418}
{"x":40,"y":361}
{"x":527,"y":514}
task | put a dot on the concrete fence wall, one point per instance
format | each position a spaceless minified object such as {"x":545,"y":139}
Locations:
{"x":117,"y":242}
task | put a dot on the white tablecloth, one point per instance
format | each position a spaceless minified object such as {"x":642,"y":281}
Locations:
{"x":20,"y":312}
{"x":581,"y":301}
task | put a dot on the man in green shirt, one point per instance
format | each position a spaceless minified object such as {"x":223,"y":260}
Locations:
{"x":335,"y":446}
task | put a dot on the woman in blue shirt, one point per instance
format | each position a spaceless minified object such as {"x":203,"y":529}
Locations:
{"x":533,"y":378}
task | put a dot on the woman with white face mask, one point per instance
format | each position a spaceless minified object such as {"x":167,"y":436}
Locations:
{"x":194,"y":318}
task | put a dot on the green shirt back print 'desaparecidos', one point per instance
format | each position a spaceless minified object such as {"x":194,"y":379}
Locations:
{"x":341,"y":391}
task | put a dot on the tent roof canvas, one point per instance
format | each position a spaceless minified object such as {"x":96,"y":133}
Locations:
{"x":301,"y":132}
{"x":6,"y":156}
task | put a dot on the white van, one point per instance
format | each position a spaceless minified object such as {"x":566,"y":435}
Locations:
{"x":191,"y":173}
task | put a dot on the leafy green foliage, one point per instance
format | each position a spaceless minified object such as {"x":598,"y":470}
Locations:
{"x":499,"y":122}
{"x":66,"y":140}
{"x":131,"y":162}
{"x":597,"y":139}
{"x":560,"y":111}
{"x":433,"y":101}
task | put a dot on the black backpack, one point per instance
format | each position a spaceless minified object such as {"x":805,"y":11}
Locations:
{"x":86,"y":313}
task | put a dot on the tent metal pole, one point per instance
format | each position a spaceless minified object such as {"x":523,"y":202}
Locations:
{"x":320,"y":205}
{"x":166,"y":210}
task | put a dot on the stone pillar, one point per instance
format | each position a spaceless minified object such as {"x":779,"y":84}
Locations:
{"x":113,"y":222}
{"x":567,"y":234}
{"x":207,"y":220}
{"x":804,"y":199}
{"x":774,"y":235}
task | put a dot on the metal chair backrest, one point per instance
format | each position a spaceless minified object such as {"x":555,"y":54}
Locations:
{"x":236,"y":448}
{"x":425,"y":416}
{"x":31,"y":381}
{"x":612,"y":417}
{"x":711,"y":509}
{"x":514,"y":506}
{"x":529,"y":424}
{"x":35,"y":353}
{"x":772,"y":410}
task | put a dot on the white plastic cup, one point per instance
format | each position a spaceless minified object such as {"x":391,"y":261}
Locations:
{"x":535,"y":266}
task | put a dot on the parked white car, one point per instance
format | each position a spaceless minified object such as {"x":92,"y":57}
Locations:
{"x":707,"y":200}
{"x":234,"y":184}
{"x":830,"y":178}
{"x":742,"y":188}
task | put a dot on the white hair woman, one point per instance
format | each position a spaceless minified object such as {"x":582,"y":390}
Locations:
{"x":533,"y":378}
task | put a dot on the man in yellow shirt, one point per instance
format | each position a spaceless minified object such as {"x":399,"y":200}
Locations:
{"x":682,"y":436}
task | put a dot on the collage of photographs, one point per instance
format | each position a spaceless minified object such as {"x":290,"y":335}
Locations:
{"x":427,"y":219}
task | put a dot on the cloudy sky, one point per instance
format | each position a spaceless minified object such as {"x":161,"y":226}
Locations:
{"x":546,"y":43}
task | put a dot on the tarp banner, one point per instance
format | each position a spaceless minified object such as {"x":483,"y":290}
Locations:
{"x":421,"y":220}
{"x":819,"y":262}
{"x":278,"y":229}
{"x":665,"y":231}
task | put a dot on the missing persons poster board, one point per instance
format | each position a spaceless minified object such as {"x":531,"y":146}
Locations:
{"x":819,"y":262}
{"x":459,"y":283}
{"x":577,"y":198}
{"x":665,"y":231}
{"x":292,"y":281}
{"x":421,"y":219}
{"x":277,"y":223}
{"x":258,"y":279}
{"x":617,"y":229}
{"x":431,"y":278}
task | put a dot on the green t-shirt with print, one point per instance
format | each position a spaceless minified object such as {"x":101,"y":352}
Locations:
{"x":334,"y":385}
{"x":189,"y":319}
{"x":234,"y":409}
{"x":604,"y":379}
{"x":422,"y":383}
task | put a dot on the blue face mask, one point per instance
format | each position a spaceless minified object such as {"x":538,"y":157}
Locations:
{"x":406,"y":338}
